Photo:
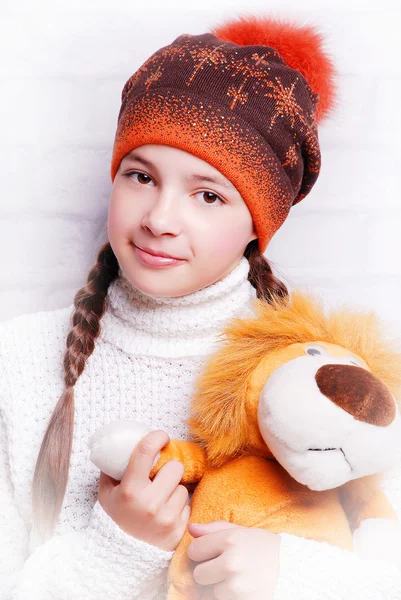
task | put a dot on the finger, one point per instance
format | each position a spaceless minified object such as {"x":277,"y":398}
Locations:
{"x":211,"y":571}
{"x":198,"y":529}
{"x":178,"y":500}
{"x":186,"y":513}
{"x":106,"y":482}
{"x":142,"y":458}
{"x":208,"y":593}
{"x":220,"y":591}
{"x":207,"y":547}
{"x":106,"y":486}
{"x":167,"y":479}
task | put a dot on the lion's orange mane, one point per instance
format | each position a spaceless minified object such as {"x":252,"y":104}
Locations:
{"x":219,"y":412}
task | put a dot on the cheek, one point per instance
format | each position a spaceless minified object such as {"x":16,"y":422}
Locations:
{"x":226,"y":233}
{"x":120,"y":213}
{"x":225,"y":245}
{"x":114,"y":221}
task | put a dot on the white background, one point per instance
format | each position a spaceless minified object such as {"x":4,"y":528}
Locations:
{"x":62,"y":71}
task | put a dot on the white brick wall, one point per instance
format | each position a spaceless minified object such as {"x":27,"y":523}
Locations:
{"x":62,"y":70}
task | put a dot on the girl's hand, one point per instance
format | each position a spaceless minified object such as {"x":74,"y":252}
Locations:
{"x":153,"y":511}
{"x":239,"y":563}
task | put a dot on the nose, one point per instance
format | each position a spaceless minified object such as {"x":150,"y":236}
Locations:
{"x":162,"y":216}
{"x":357,"y":391}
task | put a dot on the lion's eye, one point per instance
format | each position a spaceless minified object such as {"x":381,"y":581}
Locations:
{"x":315,"y":350}
{"x":354,"y":361}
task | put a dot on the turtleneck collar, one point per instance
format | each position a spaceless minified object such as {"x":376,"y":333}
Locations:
{"x":189,"y":325}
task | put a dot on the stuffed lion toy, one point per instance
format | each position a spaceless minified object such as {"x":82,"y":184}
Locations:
{"x":293,"y":420}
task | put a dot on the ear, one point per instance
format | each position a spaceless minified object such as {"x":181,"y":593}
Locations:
{"x":254,"y":235}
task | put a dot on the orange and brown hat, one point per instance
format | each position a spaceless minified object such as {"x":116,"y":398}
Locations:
{"x":246,"y":98}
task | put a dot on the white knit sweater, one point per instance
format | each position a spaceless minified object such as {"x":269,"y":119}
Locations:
{"x":143,"y":367}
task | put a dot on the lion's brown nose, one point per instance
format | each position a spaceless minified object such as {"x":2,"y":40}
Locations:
{"x":357,"y":391}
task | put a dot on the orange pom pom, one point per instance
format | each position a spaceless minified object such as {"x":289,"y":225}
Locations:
{"x":299,"y":46}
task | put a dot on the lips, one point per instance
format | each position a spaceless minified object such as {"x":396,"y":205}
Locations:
{"x":158,"y":253}
{"x":155,"y":261}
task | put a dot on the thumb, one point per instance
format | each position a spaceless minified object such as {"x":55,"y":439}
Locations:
{"x":198,"y":529}
{"x":107,"y":483}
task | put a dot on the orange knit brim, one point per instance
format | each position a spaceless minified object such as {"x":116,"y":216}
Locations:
{"x":230,"y":144}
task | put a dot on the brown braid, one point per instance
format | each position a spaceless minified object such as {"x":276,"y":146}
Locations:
{"x":52,"y":465}
{"x":261,"y":276}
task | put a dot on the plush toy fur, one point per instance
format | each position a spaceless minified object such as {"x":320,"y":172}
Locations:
{"x":240,"y":479}
{"x":221,"y":405}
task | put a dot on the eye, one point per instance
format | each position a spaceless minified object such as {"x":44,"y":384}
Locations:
{"x":353,"y":360}
{"x":315,"y":350}
{"x":130,"y":173}
{"x":213,"y":195}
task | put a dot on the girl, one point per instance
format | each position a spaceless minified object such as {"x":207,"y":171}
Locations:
{"x":216,"y":140}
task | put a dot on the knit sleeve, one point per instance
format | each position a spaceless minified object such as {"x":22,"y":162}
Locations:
{"x":312,"y":570}
{"x":101,"y":561}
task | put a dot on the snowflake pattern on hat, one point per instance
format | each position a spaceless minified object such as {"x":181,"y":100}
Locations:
{"x":241,"y":108}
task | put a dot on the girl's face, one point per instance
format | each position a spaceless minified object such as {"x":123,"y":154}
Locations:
{"x":159,"y":202}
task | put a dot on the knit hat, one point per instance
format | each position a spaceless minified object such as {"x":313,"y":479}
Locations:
{"x":246,"y":98}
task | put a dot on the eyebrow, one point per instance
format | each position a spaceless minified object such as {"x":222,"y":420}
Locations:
{"x":131,"y":156}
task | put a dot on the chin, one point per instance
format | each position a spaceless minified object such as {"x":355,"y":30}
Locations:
{"x":146,"y":287}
